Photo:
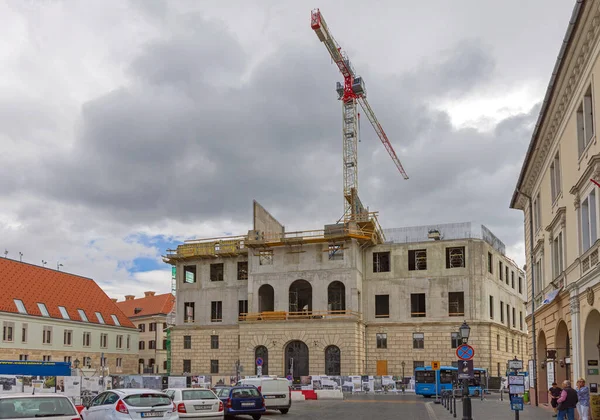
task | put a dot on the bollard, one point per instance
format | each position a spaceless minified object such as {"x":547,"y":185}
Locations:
{"x":450,"y":403}
{"x":454,"y":407}
{"x":501,"y":394}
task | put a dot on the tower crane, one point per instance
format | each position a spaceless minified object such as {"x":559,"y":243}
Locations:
{"x":352,"y":91}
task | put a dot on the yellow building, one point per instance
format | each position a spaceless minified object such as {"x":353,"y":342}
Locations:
{"x":560,"y":206}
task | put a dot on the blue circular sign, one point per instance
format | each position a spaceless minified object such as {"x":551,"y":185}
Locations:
{"x":465,"y":352}
{"x":259,"y":361}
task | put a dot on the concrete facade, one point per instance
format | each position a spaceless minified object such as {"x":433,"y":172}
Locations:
{"x":335,"y":311}
{"x":67,"y":344}
{"x":560,"y":204}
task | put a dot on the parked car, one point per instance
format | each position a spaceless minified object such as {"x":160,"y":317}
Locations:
{"x":127,"y":404}
{"x":276,"y":392}
{"x":196,"y":403}
{"x":242,"y":400}
{"x":28,"y":406}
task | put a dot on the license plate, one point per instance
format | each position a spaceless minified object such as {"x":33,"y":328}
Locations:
{"x":203,"y":407}
{"x":247,"y":404}
{"x":153,"y":414}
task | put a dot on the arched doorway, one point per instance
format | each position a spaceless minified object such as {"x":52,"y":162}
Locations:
{"x":333,"y":361}
{"x":563,"y":351}
{"x":336,"y":297}
{"x":296,"y":359}
{"x":542,"y":371}
{"x":300,"y":296}
{"x":263,"y":353}
{"x":266,"y":298}
{"x":591,"y":347}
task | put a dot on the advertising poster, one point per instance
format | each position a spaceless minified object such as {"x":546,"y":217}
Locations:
{"x":71,"y":385}
{"x":177,"y":382}
{"x":133,"y":381}
{"x":152,"y":382}
{"x":306,"y":383}
{"x":9,"y":383}
{"x":388,"y":384}
{"x":201,"y":381}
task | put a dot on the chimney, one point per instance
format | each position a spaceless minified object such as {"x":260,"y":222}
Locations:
{"x":129,"y":297}
{"x":148,"y":294}
{"x":114,"y":300}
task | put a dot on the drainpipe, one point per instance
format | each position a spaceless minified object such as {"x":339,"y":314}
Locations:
{"x":532,"y":257}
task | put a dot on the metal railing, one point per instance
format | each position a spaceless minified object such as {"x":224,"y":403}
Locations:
{"x":303,"y":315}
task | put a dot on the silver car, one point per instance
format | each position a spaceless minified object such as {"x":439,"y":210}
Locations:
{"x":29,"y":406}
{"x":128,"y":404}
{"x":196,"y":403}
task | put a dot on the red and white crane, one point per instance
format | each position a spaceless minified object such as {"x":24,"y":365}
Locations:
{"x":352,"y":91}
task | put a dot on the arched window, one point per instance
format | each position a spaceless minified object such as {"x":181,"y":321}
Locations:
{"x":266,"y":298}
{"x":263,"y":353}
{"x":333,"y":362}
{"x":300,"y":296}
{"x":296,"y":359}
{"x":336,"y":296}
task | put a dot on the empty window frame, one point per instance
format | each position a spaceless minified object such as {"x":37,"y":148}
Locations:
{"x":585,"y":121}
{"x":507,"y":276}
{"x":216,"y":311}
{"x":381,"y":340}
{"x":189,"y":311}
{"x":418,"y":308}
{"x":537,"y":213}
{"x":491,"y":307}
{"x":381,"y":262}
{"x":335,"y":252}
{"x":242,"y":308}
{"x":514,"y":317}
{"x":242,"y":270}
{"x":187,"y":342}
{"x":500,"y":271}
{"x":217,"y":271}
{"x":187,"y":366}
{"x":501,"y":311}
{"x":555,"y":181}
{"x":265,"y":257}
{"x":189,"y":274}
{"x":557,"y":255}
{"x":214,"y":366}
{"x":521,"y":320}
{"x":382,"y":306}
{"x":455,"y":340}
{"x":417,"y":259}
{"x":214,"y":342}
{"x":520,"y":285}
{"x":418,"y":340}
{"x":508,"y":315}
{"x":455,"y":257}
{"x":456,"y":304}
{"x":490,"y":263}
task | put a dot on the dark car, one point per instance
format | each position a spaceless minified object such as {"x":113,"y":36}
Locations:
{"x":241,"y":400}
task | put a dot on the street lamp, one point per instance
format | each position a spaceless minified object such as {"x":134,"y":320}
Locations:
{"x":465,"y":332}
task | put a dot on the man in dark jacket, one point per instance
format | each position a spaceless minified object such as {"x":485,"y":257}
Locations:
{"x":567,"y":402}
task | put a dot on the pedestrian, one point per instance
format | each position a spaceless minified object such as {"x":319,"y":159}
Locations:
{"x":554,"y":396}
{"x":567,"y":402}
{"x":583,"y":394}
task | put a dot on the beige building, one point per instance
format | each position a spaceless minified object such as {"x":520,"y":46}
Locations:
{"x":149,"y":314}
{"x":55,"y":316}
{"x":560,"y":204}
{"x":338,"y":301}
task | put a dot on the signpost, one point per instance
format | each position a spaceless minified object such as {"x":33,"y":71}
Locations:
{"x":516,"y":386}
{"x":259,"y":364}
{"x":435,"y":366}
{"x":466,"y":369}
{"x":465,"y":352}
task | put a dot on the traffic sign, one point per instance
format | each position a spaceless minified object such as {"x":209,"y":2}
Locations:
{"x":465,"y":352}
{"x":465,"y":369}
{"x":259,"y":361}
{"x":515,"y":364}
{"x":435,"y":365}
{"x":516,"y":403}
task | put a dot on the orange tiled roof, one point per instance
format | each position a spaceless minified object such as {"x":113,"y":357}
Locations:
{"x":149,"y":305}
{"x":33,"y":284}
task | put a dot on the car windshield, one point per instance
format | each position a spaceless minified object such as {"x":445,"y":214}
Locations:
{"x":147,"y":400}
{"x":28,"y":407}
{"x":198,"y":394}
{"x":245,"y":393}
{"x":223,"y":392}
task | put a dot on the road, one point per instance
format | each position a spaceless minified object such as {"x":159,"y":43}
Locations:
{"x":358,"y":407}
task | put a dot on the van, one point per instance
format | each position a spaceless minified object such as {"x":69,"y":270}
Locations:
{"x":276,"y":392}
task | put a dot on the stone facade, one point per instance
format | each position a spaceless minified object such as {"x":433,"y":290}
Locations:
{"x":329,"y":300}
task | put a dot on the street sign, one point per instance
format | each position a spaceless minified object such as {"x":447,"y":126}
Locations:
{"x":516,"y":403}
{"x":435,"y":365}
{"x":465,"y":369}
{"x":465,"y":352}
{"x":259,"y":370}
{"x":515,"y":364}
{"x":259,"y":361}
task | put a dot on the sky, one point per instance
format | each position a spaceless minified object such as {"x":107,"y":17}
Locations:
{"x":127,"y":127}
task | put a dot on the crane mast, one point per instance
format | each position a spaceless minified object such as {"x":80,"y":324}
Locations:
{"x":350,"y":93}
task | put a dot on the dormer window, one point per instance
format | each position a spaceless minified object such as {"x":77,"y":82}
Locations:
{"x":43,"y":309}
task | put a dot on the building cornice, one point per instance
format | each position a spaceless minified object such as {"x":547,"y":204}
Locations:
{"x":592,"y":171}
{"x":578,"y":45}
{"x":559,"y":218}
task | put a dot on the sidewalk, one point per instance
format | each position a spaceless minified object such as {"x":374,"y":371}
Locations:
{"x":492,"y":408}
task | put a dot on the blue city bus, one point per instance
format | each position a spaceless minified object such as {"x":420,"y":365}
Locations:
{"x":425,"y":380}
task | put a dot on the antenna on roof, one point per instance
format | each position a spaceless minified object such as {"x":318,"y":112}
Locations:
{"x":5,"y":253}
{"x":20,"y":256}
{"x":44,"y":263}
{"x":58,"y":266}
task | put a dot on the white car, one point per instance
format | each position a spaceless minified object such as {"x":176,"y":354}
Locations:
{"x":196,"y":403}
{"x":28,"y":406}
{"x":128,"y":404}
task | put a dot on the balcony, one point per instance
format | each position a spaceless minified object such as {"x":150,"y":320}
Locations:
{"x":295,"y":316}
{"x":589,"y":260}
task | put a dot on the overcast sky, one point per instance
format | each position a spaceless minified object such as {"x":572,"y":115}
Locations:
{"x":126,"y":127}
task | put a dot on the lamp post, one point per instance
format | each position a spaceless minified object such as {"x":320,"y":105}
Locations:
{"x":465,"y":331}
{"x":403,"y":364}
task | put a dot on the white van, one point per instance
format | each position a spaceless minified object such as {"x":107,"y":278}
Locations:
{"x":276,"y":392}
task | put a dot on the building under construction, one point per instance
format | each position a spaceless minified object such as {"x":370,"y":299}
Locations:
{"x":343,"y":300}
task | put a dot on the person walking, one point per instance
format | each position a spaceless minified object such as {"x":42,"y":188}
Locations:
{"x":554,"y":396}
{"x":583,"y":395}
{"x":567,"y":402}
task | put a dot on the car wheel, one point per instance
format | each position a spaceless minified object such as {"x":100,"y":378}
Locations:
{"x":284,"y":410}
{"x":256,"y":417}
